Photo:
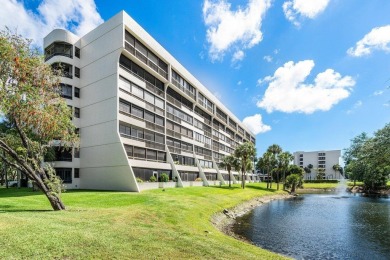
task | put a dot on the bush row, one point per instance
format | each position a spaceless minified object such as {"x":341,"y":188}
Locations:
{"x":321,"y":181}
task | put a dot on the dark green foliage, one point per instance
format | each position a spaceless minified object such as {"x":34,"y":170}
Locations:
{"x":164,"y":177}
{"x":321,"y":181}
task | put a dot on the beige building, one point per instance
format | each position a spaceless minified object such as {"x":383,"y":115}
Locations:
{"x":139,"y":112}
{"x":319,"y":160}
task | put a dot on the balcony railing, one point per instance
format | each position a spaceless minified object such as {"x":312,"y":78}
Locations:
{"x":174,"y":118}
{"x":222,"y":118}
{"x":178,"y":85}
{"x":145,"y":60}
{"x":210,"y":109}
{"x":153,"y":126}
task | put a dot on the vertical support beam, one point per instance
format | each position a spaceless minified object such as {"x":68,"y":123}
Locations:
{"x":201,"y":172}
{"x":219,"y":175}
{"x":175,"y":173}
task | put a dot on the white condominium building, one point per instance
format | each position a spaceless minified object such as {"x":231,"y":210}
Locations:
{"x":138,"y":111}
{"x":319,"y":160}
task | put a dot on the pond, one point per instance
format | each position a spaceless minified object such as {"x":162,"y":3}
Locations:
{"x":321,"y":226}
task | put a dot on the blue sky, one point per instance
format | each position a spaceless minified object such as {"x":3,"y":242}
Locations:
{"x":307,"y":75}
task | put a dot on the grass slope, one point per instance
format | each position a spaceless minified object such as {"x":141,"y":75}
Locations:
{"x":154,"y":224}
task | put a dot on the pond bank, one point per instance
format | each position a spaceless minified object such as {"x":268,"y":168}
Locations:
{"x":225,"y":220}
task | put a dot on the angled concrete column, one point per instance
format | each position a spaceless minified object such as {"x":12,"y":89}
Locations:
{"x":175,"y":173}
{"x":201,"y":172}
{"x":219,"y":175}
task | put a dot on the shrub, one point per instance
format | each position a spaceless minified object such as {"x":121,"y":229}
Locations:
{"x":198,"y":179}
{"x":321,"y":181}
{"x":139,"y":180}
{"x":153,"y":178}
{"x":164,"y":177}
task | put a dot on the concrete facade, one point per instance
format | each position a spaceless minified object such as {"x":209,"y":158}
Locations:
{"x":139,"y":112}
{"x":319,"y":159}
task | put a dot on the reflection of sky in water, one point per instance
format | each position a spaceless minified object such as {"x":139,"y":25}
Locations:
{"x":322,"y":227}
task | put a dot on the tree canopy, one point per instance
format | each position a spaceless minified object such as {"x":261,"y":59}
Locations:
{"x":368,"y":158}
{"x":33,"y":114}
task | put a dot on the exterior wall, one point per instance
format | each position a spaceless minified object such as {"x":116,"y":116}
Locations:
{"x":331,"y":158}
{"x":104,"y":161}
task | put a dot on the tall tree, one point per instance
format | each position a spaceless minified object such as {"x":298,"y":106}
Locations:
{"x":336,"y":168}
{"x":229,"y":162}
{"x":245,"y":152}
{"x":286,"y":158}
{"x":267,"y":158}
{"x":33,"y":112}
{"x":274,"y":150}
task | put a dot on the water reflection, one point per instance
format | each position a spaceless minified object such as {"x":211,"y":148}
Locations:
{"x":321,"y":226}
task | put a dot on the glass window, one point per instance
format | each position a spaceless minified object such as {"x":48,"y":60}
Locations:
{"x":137,"y":111}
{"x":66,"y":91}
{"x":77,"y":92}
{"x":159,"y":120}
{"x":76,"y":173}
{"x":77,"y":72}
{"x":161,"y":156}
{"x":124,"y":107}
{"x":124,"y":84}
{"x":139,"y":152}
{"x":65,"y":174}
{"x":151,"y":155}
{"x":149,"y":116}
{"x":77,"y":52}
{"x":159,"y":103}
{"x":159,"y":138}
{"x":149,"y":135}
{"x":141,"y":48}
{"x":149,"y":97}
{"x":77,"y":112}
{"x":129,"y":150}
{"x":137,"y":91}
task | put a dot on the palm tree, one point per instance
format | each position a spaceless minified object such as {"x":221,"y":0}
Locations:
{"x":267,"y":158}
{"x":286,"y":158}
{"x":310,"y":166}
{"x":229,"y":162}
{"x":244,"y":152}
{"x":274,"y":150}
{"x":336,"y":168}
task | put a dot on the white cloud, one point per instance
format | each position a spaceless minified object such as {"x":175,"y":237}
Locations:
{"x":378,"y":38}
{"x":267,"y":58}
{"x":355,"y":106}
{"x":296,"y":9}
{"x":227,"y":28}
{"x":288,"y":92}
{"x":78,"y":16}
{"x":238,"y":55}
{"x":255,"y":124}
{"x":239,"y":83}
{"x":378,"y":92}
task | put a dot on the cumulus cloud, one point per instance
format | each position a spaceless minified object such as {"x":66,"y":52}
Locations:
{"x":378,"y":92}
{"x":267,"y":58}
{"x":255,"y":124}
{"x":377,"y":39}
{"x":227,"y":28}
{"x":288,"y":92}
{"x":294,"y":10}
{"x":78,"y":16}
{"x":238,"y":55}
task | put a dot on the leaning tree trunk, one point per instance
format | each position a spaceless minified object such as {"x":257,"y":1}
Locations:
{"x":54,"y":199}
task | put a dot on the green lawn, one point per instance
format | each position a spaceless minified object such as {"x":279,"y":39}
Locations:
{"x":155,"y":224}
{"x":319,"y":185}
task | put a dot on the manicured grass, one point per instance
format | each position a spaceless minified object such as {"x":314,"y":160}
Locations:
{"x":156,"y":224}
{"x":320,"y":185}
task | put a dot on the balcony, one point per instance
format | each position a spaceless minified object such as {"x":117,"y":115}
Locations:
{"x":189,"y":93}
{"x":145,"y":60}
{"x":210,"y":109}
{"x":222,"y":118}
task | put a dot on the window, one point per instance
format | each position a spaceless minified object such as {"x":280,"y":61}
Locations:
{"x":159,"y":120}
{"x":77,"y":52}
{"x":63,"y":69}
{"x":77,"y":92}
{"x":76,"y":153}
{"x":137,"y":91}
{"x":149,"y":116}
{"x":63,"y":155}
{"x":76,"y":173}
{"x":137,"y":111}
{"x":77,"y":72}
{"x":65,"y":174}
{"x":77,"y":112}
{"x":151,"y":155}
{"x":66,"y":91}
{"x":139,"y":152}
{"x":124,"y":84}
{"x":159,"y":103}
{"x":58,"y":48}
{"x":124,"y":107}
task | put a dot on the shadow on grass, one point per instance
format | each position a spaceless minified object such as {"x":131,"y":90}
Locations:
{"x":247,"y":186}
{"x":18,"y":192}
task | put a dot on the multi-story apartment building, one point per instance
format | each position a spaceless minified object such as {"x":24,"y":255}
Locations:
{"x":138,"y":111}
{"x":319,"y":160}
